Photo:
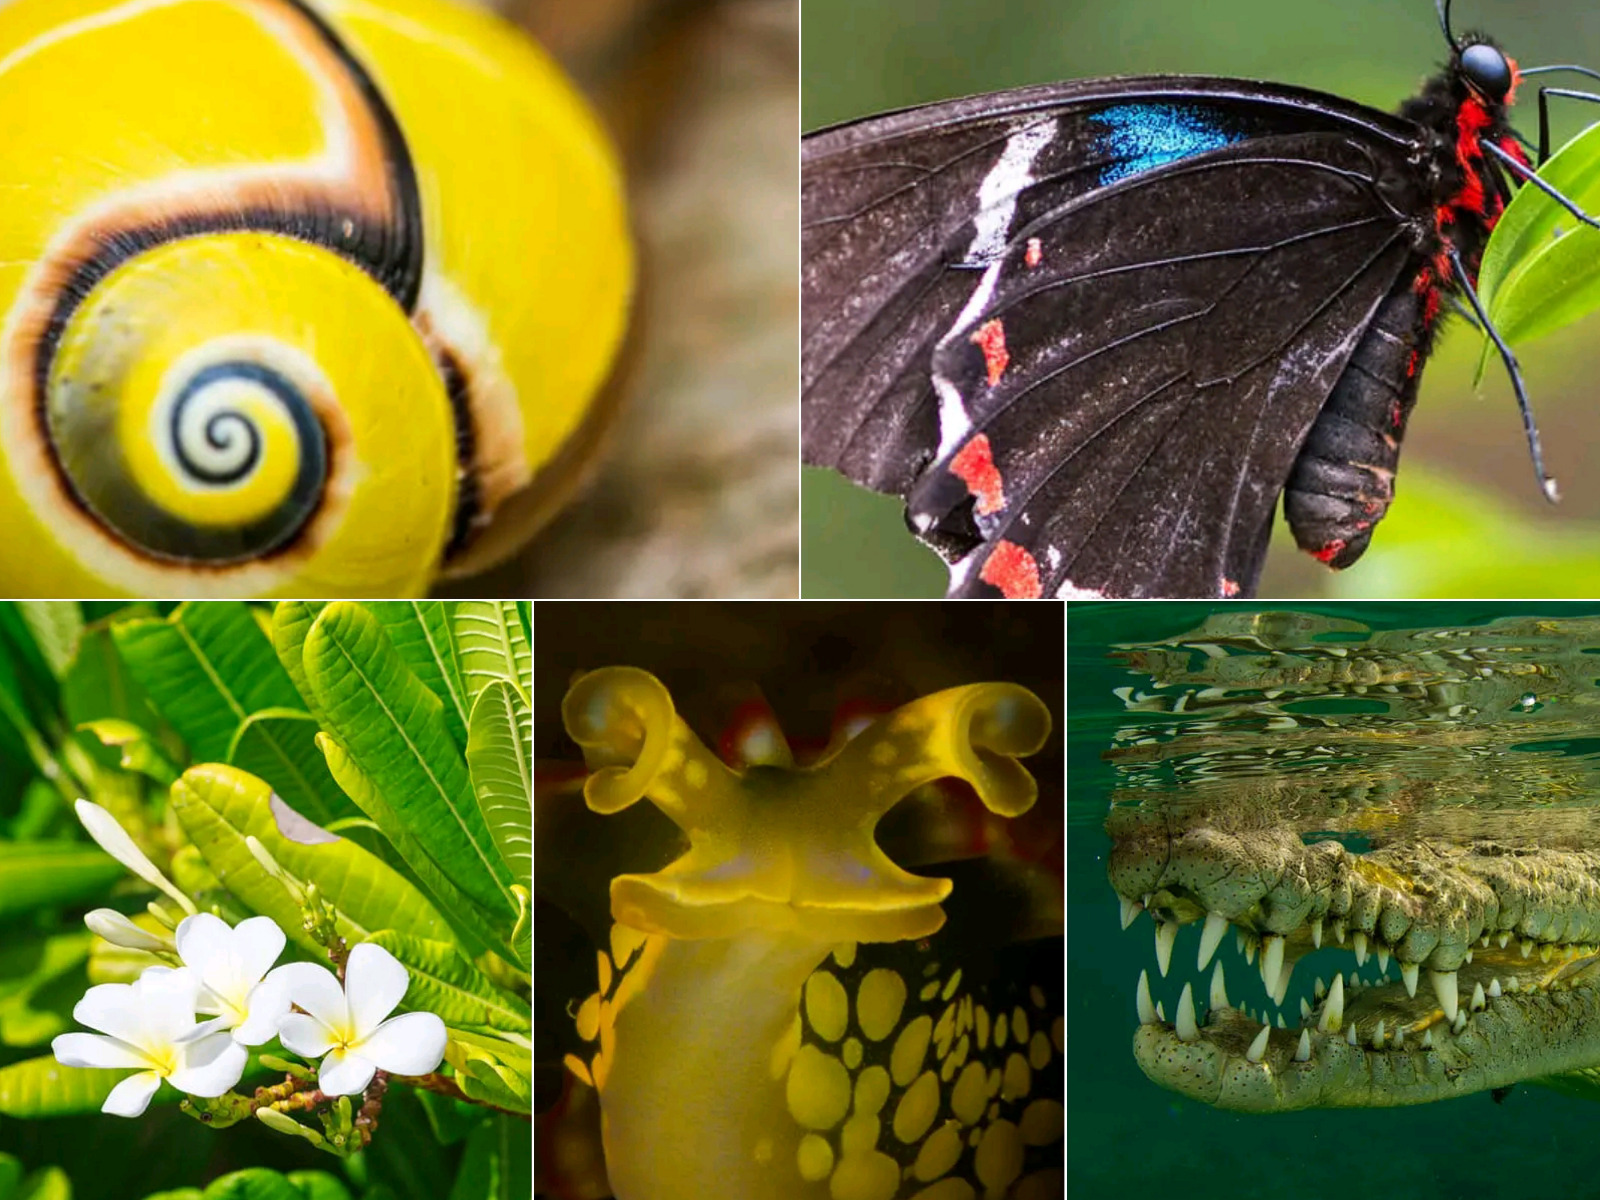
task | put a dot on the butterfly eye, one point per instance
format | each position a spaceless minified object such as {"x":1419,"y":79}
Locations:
{"x":1486,"y":70}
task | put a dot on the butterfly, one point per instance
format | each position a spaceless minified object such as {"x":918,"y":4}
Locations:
{"x":1092,"y":331}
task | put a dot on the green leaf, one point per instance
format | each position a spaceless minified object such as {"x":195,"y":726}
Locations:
{"x":443,"y":981}
{"x":253,"y":1183}
{"x":41,"y":978}
{"x":500,"y":760}
{"x":491,"y":1069}
{"x":318,"y":1185}
{"x":451,"y":1119}
{"x":392,"y":728}
{"x":279,"y":745}
{"x":57,"y":628}
{"x":206,"y":668}
{"x":49,"y":1183}
{"x":421,"y":633}
{"x":10,"y":1175}
{"x":1541,"y":267}
{"x":498,"y":1164}
{"x":42,"y":1087}
{"x":220,"y":806}
{"x":492,"y":644}
{"x":291,"y":621}
{"x":188,"y":1193}
{"x":141,"y":753}
{"x":41,"y":873}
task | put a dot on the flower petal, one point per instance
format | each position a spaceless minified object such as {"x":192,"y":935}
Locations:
{"x":257,"y":941}
{"x":93,"y":1050}
{"x":202,"y":940}
{"x":345,"y":1074}
{"x":111,"y":1008}
{"x":315,"y":989}
{"x":202,"y":1029}
{"x":166,"y":1002}
{"x":410,"y":1044}
{"x":374,"y":982}
{"x":209,"y":1066}
{"x":132,"y":1096}
{"x":267,"y":1007}
{"x":306,"y":1036}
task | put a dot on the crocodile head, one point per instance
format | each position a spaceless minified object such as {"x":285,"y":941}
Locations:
{"x":1494,"y":947}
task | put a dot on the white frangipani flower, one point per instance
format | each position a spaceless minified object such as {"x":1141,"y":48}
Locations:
{"x":114,"y":840}
{"x":149,"y":1024}
{"x":230,"y":963}
{"x":345,"y":1027}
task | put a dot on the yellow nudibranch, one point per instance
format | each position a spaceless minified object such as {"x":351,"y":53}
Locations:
{"x":746,"y":1050}
{"x":301,"y":297}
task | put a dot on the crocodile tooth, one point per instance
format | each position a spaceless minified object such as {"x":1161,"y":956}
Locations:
{"x":1302,"y":1052}
{"x":1131,"y":909}
{"x":1145,"y":899}
{"x":1459,"y":1023}
{"x":1258,"y":1048}
{"x":1219,"y":992}
{"x":1338,"y":932}
{"x":1166,"y":935}
{"x":1377,"y":1036}
{"x":1545,"y":952}
{"x":1383,"y":959}
{"x":1147,"y":1011}
{"x":1238,"y":940}
{"x":1511,"y":983}
{"x":1319,"y":989}
{"x":1355,"y":982}
{"x":1281,"y":988}
{"x":1161,"y":1012}
{"x":1211,"y":937}
{"x":1478,"y":1002}
{"x":1333,"y":1010}
{"x":1281,"y":1025}
{"x":1187,"y":1030}
{"x":1526,"y":947}
{"x":1316,"y":935}
{"x":1400,"y":1038}
{"x":1505,"y":936}
{"x":1466,"y":957}
{"x":1484,"y":941}
{"x":1408,"y":976}
{"x":1360,"y":940}
{"x":1444,"y":987}
{"x":1305,"y":1008}
{"x":1494,"y":987}
{"x":1350,"y":1035}
{"x":1250,"y":951}
{"x":1427,"y":1038}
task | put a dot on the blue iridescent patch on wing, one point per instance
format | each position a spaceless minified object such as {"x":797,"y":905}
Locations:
{"x":1141,"y":137}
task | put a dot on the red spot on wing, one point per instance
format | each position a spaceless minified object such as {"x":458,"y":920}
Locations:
{"x":974,"y":465}
{"x":1228,"y":587}
{"x":1013,"y":570}
{"x":1035,"y":254}
{"x":990,"y":337}
{"x":1329,"y":552}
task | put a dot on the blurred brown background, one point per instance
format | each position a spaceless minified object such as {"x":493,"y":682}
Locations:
{"x":697,"y":494}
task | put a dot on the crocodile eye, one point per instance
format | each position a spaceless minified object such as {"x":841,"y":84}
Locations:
{"x":1487,"y":70}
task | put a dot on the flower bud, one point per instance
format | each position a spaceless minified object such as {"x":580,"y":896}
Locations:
{"x":115,"y":928}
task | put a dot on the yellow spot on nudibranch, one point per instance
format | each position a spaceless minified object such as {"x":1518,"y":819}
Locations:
{"x":872,"y":1089}
{"x":845,"y":955}
{"x":1019,"y":1025}
{"x":884,"y":753}
{"x":939,"y":1152}
{"x":818,"y":1089}
{"x":814,"y":1158}
{"x":871,"y":1176}
{"x":695,"y":774}
{"x":603,"y":966}
{"x":929,"y":991}
{"x":577,"y":1066}
{"x":982,"y":1018}
{"x":970,"y":1094}
{"x":930,"y":970}
{"x":1038,"y":1052}
{"x":1036,"y":994}
{"x":879,"y":1002}
{"x":917,"y":1108}
{"x":1018,"y":1080}
{"x":999,"y":1030}
{"x":851,"y":1052}
{"x":1058,"y":1033}
{"x":1041,"y":1185}
{"x":1043,"y":1122}
{"x":589,"y":1018}
{"x":947,"y":1189}
{"x":999,"y":1159}
{"x":827,"y":1006}
{"x":910,"y":1049}
{"x":951,"y":984}
{"x":860,"y":1134}
{"x":624,"y":941}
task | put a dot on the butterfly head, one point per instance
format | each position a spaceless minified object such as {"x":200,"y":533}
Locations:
{"x":1487,"y":71}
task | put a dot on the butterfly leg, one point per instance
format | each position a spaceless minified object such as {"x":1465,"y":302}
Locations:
{"x":1464,"y":281}
{"x":1525,"y":173}
{"x":1544,"y":114}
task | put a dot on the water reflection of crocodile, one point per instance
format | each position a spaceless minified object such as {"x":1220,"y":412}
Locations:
{"x":1423,"y":797}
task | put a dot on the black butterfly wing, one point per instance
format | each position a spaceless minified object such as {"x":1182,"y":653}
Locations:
{"x":1085,"y":328}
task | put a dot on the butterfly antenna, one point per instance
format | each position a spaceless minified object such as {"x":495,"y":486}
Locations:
{"x":1444,"y":23}
{"x":1589,"y":71}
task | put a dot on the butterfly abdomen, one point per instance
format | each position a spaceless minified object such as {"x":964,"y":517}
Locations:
{"x":1343,"y":481}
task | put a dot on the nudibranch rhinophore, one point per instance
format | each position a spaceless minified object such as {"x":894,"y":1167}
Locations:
{"x":745,"y":1049}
